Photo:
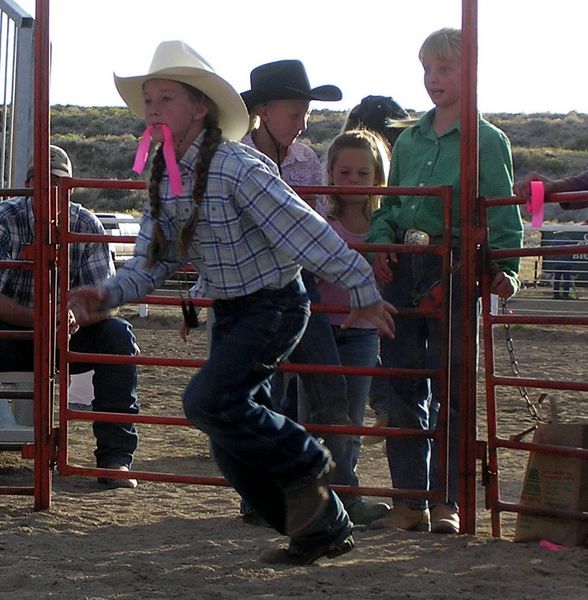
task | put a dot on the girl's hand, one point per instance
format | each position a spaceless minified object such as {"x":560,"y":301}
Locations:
{"x":86,"y":305}
{"x":379,"y":315}
{"x":72,"y":325}
{"x":381,"y":266}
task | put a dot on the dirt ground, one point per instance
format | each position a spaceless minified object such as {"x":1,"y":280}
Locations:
{"x":169,"y":540}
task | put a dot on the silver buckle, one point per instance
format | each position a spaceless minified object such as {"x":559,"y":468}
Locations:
{"x":416,"y":236}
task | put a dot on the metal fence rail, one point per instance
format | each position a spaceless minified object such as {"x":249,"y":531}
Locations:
{"x":16,"y":92}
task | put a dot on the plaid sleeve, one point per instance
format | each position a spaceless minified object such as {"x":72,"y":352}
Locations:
{"x":92,"y":261}
{"x":300,"y":233}
{"x":5,"y":246}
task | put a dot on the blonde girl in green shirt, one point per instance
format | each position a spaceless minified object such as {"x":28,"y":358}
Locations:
{"x":428,"y":154}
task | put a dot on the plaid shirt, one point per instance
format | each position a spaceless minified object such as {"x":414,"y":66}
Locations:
{"x":253,"y":232}
{"x":90,"y":263}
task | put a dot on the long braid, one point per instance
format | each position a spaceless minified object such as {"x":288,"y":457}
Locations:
{"x":210,"y":143}
{"x":157,"y":245}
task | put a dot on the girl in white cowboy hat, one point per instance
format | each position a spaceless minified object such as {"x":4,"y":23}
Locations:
{"x":224,"y":208}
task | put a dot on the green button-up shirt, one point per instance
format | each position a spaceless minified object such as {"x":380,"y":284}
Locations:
{"x":421,"y":158}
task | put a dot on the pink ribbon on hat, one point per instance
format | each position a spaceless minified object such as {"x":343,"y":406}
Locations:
{"x":535,"y":203}
{"x":173,"y":171}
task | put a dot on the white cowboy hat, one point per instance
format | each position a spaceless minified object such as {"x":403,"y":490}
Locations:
{"x":175,"y":60}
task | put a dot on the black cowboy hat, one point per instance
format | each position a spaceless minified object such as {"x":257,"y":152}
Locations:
{"x":285,"y":80}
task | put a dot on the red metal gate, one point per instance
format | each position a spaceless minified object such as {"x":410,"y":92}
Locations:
{"x":51,"y":444}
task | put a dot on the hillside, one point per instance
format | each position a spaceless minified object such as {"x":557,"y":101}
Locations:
{"x":102,"y":141}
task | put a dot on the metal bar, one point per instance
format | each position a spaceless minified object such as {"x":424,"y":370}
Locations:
{"x":23,"y":114}
{"x":15,"y":12}
{"x":539,"y":383}
{"x":82,"y":357}
{"x":13,"y":97}
{"x":544,"y":512}
{"x":469,"y":241}
{"x":542,"y":448}
{"x":5,"y":28}
{"x":571,"y":197}
{"x":42,"y":338}
{"x":63,"y":235}
{"x":493,"y":483}
{"x":17,"y":264}
{"x":17,"y":491}
{"x":530,"y":320}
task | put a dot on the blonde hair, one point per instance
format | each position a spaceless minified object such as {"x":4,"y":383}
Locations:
{"x":444,"y":44}
{"x":212,"y":138}
{"x":362,"y":139}
{"x":254,"y":121}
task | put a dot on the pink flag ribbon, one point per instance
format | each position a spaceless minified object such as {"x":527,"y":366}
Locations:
{"x":173,"y":171}
{"x":547,"y":545}
{"x":142,"y":151}
{"x":535,"y":203}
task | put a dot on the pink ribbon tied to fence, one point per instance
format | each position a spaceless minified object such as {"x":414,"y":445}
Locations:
{"x":535,"y":203}
{"x":173,"y":171}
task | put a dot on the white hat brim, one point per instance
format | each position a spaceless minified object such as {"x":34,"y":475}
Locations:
{"x":232,"y":112}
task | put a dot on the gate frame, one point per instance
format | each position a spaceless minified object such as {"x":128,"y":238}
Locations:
{"x":46,"y":445}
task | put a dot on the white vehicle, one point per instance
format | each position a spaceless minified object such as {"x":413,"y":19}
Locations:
{"x":120,"y":224}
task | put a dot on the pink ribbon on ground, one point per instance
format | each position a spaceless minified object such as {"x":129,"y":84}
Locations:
{"x":173,"y":171}
{"x":547,"y":545}
{"x":535,"y":203}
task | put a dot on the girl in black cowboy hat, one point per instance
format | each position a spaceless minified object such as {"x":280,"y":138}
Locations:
{"x":279,"y":106}
{"x":222,"y":206}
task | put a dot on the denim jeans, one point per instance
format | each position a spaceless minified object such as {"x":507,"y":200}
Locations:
{"x":414,"y":403}
{"x":115,"y":386}
{"x":284,"y":394}
{"x":324,"y":396}
{"x":261,"y":453}
{"x":358,"y":347}
{"x":562,"y":277}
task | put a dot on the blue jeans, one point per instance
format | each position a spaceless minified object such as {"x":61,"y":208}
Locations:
{"x":562,"y":276}
{"x":260,"y":453}
{"x":284,"y":394}
{"x":357,"y":348}
{"x":115,"y":386}
{"x":414,"y":403}
{"x":325,"y":396}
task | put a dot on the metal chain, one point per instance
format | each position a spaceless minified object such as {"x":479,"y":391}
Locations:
{"x":514,"y":365}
